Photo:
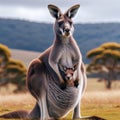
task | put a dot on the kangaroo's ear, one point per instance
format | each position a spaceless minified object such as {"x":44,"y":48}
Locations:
{"x":54,"y":11}
{"x":62,"y":68}
{"x":75,"y":66}
{"x":71,"y":12}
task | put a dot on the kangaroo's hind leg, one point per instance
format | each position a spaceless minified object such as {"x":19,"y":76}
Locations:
{"x":37,"y":85}
{"x":34,"y":113}
{"x":43,"y":108}
{"x":76,"y":113}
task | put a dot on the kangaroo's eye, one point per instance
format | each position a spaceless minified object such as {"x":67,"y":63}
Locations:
{"x":70,"y":22}
{"x":60,"y":23}
{"x":64,"y":68}
{"x":73,"y":68}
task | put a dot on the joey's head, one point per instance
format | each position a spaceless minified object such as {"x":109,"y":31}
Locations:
{"x":68,"y":73}
{"x":63,"y":24}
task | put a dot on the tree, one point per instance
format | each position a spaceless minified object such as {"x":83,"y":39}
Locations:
{"x":105,"y":61}
{"x":11,"y":71}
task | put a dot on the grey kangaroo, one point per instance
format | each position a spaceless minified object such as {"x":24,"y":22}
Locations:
{"x":45,"y":81}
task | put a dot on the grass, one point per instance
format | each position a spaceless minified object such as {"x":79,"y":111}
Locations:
{"x":96,"y":101}
{"x":103,"y":104}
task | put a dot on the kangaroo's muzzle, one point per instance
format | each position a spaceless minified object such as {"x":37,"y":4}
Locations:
{"x":67,"y":32}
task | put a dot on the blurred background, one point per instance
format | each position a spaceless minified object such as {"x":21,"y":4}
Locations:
{"x":26,"y":29}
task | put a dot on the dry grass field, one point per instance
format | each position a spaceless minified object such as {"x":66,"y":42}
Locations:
{"x":97,"y":100}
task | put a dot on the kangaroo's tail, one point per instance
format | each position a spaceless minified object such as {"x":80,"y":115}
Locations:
{"x":34,"y":114}
{"x":92,"y":118}
{"x":15,"y":114}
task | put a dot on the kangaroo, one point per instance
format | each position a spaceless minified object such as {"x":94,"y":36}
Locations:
{"x":44,"y":79}
{"x":54,"y":98}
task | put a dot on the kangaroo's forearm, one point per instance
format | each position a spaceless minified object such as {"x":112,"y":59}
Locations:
{"x":55,"y":68}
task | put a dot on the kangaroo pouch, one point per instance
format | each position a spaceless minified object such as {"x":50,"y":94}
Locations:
{"x":60,"y":102}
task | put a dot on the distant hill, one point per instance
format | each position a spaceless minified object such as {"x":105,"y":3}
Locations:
{"x":32,"y":36}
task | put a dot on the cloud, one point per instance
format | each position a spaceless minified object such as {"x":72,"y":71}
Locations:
{"x":36,"y":10}
{"x":38,"y":3}
{"x":31,"y":14}
{"x":100,"y":11}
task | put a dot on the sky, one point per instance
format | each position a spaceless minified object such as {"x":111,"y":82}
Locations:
{"x":91,"y":11}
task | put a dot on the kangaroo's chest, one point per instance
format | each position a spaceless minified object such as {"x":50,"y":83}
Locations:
{"x":68,"y":56}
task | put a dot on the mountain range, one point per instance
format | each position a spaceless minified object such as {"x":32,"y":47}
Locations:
{"x":31,"y":36}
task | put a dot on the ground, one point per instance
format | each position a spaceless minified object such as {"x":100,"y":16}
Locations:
{"x":97,"y":101}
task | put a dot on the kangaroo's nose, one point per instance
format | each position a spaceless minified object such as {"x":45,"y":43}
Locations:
{"x":67,"y":30}
{"x":68,"y":77}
